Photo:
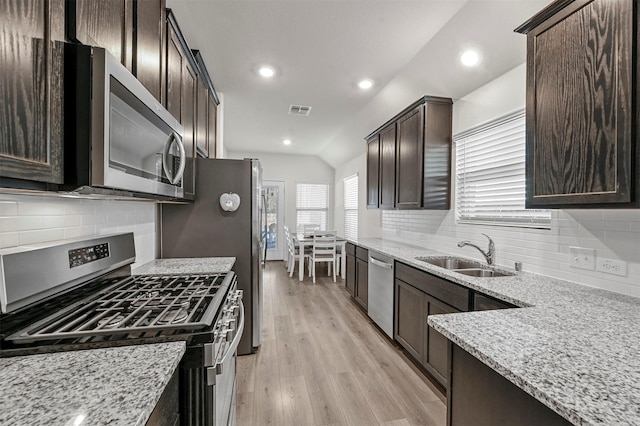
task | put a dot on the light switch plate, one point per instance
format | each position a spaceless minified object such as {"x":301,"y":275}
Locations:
{"x":582,"y":258}
{"x":612,"y":266}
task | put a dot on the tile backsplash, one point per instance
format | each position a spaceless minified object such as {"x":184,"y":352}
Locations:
{"x":29,"y":219}
{"x":613,"y":234}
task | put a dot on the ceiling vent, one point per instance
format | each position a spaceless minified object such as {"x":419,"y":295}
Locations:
{"x":299,"y":110}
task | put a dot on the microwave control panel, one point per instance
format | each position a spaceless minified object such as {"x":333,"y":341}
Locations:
{"x":84,"y":255}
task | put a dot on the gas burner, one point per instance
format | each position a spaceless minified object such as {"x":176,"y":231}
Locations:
{"x":147,"y":298}
{"x":173,"y":316}
{"x":111,"y":322}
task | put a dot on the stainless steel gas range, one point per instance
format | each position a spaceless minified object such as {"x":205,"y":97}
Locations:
{"x":80,"y":295}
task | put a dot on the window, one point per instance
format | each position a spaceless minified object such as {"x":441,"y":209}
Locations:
{"x":312,"y":205}
{"x":351,"y":207}
{"x":490,"y":175}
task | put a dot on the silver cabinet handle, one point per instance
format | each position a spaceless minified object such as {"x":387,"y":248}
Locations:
{"x":165,"y":159}
{"x":384,"y":265}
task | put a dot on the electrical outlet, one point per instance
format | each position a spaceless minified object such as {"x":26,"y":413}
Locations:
{"x":612,"y":266}
{"x":582,"y":258}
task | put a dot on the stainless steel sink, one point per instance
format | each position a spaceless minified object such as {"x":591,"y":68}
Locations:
{"x":479,"y":272}
{"x":450,"y":262}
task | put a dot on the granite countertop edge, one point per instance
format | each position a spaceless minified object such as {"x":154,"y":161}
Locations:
{"x":186,"y":266}
{"x":541,"y":295}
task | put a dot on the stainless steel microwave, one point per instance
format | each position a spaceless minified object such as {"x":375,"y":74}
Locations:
{"x":119,"y":140}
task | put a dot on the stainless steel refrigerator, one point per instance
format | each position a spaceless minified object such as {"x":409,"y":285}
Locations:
{"x":204,"y":228}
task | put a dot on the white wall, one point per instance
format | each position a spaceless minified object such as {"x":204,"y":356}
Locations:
{"x":293,"y":169}
{"x":29,"y":219}
{"x":369,"y":221}
{"x":612,"y":233}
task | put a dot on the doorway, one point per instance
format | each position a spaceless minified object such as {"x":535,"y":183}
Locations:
{"x":274,"y":201}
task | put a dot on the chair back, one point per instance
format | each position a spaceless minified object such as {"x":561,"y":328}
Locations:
{"x":324,"y":244}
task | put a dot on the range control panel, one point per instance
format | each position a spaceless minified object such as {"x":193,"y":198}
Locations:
{"x":81,"y":256}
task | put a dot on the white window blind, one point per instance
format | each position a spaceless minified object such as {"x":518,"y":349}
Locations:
{"x":490,"y":175}
{"x":312,"y":205}
{"x":351,"y":207}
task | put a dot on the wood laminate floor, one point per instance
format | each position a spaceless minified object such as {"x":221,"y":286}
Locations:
{"x":322,"y":362}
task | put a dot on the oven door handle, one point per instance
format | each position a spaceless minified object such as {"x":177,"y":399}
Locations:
{"x":236,"y":341}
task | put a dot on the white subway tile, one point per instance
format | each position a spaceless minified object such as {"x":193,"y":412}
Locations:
{"x":41,"y":236}
{"x":51,"y":207}
{"x":8,"y":208}
{"x":9,"y":239}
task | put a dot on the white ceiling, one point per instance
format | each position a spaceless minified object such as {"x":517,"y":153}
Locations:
{"x":321,"y":48}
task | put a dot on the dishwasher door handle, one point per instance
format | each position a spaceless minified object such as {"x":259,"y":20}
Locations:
{"x":384,"y":265}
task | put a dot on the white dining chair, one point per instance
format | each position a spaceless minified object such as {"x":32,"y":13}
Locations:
{"x":288,"y":254}
{"x":323,"y":250}
{"x":293,"y":251}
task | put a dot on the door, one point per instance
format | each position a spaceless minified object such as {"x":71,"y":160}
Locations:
{"x":274,"y":199}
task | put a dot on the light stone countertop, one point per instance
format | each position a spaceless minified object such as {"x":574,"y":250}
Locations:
{"x":186,"y":266}
{"x":574,"y":348}
{"x":110,"y":386}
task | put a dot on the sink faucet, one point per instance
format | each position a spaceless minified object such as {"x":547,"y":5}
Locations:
{"x":488,"y":255}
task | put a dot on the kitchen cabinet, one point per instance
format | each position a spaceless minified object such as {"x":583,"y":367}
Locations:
{"x":413,"y":158}
{"x":357,"y":274}
{"x":181,"y":76}
{"x":149,"y":45}
{"x":361,"y":291}
{"x":105,"y":23}
{"x":483,"y":302}
{"x":387,"y":167}
{"x":350,"y":282}
{"x":419,"y":294}
{"x":479,"y":395}
{"x":206,"y":111}
{"x":582,"y":105}
{"x":31,"y":93}
{"x":373,"y":177}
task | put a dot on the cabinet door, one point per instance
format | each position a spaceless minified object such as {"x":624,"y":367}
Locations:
{"x":31,"y":70}
{"x":148,"y":63}
{"x":202,"y":118}
{"x":350,"y":283}
{"x":438,"y":144}
{"x":212,"y":127}
{"x":436,"y":359}
{"x":410,"y":319}
{"x":373,"y":175}
{"x":181,"y":94}
{"x":362,"y":283}
{"x":104,"y":23}
{"x":409,"y":152}
{"x":579,"y":105}
{"x":388,"y":167}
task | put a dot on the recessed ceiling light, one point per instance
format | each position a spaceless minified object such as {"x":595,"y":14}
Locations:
{"x":470,"y":58}
{"x":365,"y":84}
{"x":287,"y":141}
{"x":267,"y":71}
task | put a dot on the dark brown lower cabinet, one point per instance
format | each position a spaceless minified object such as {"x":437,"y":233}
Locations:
{"x":478,"y":395}
{"x":351,"y":274}
{"x":410,"y":313}
{"x":362,"y":283}
{"x":436,"y":354}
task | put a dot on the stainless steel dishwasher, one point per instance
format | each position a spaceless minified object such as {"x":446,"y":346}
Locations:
{"x":380,"y":307}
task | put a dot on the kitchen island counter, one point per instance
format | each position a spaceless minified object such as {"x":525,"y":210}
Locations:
{"x":574,"y":348}
{"x":185,"y":266}
{"x":110,"y":386}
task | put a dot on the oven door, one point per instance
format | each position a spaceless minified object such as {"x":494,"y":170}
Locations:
{"x":222,"y":376}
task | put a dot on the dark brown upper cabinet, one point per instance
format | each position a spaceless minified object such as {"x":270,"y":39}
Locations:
{"x":582,"y":105}
{"x":149,"y":45}
{"x":31,"y":93}
{"x":104,"y":23}
{"x":206,"y":111}
{"x":181,"y":83}
{"x":412,"y":152}
{"x":388,"y":167}
{"x":373,"y":176}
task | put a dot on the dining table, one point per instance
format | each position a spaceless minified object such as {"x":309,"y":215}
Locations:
{"x":303,"y":241}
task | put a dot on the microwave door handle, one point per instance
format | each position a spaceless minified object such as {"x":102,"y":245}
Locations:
{"x":165,"y":158}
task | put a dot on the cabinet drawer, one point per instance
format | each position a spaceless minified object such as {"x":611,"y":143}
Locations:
{"x":446,"y":291}
{"x":362,"y":253}
{"x":351,"y":249}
